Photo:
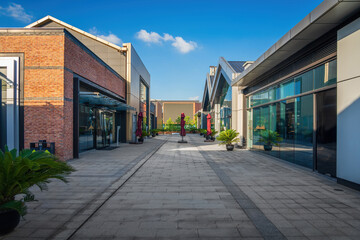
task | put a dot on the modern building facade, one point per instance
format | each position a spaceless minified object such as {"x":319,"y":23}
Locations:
{"x":125,"y":61}
{"x":172,"y":109}
{"x":306,"y":89}
{"x":217,"y":97}
{"x":56,"y":88}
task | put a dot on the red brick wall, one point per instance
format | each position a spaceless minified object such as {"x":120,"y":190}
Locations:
{"x":86,"y":66}
{"x":43,"y":87}
{"x":48,"y":88}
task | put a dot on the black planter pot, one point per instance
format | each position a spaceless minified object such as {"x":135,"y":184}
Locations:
{"x":141,"y":140}
{"x":267,"y":147}
{"x":153,"y":135}
{"x":229,"y":147}
{"x":212,"y":138}
{"x":9,"y":219}
{"x":201,"y":134}
{"x":208,"y":137}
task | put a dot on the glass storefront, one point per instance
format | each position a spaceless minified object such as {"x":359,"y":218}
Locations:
{"x":96,"y":128}
{"x":225,"y":100}
{"x":144,"y":104}
{"x":287,"y":111}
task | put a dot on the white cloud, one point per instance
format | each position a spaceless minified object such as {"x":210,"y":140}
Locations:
{"x":194,"y":98}
{"x":149,"y":37}
{"x":168,"y":37}
{"x":178,"y":42}
{"x":110,"y":37}
{"x":16,"y":11}
{"x":184,"y":46}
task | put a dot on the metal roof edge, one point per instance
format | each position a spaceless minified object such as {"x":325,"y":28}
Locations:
{"x":314,"y":15}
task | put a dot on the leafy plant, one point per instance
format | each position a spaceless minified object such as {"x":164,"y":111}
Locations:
{"x":29,"y":168}
{"x":154,"y":131}
{"x":228,"y":137}
{"x":144,"y":134}
{"x":268,"y":137}
{"x":213,"y":133}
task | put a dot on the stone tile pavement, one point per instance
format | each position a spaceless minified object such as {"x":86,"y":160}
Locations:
{"x":191,"y":191}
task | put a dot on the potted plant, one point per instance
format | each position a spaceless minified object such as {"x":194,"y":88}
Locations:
{"x":227,"y":138}
{"x":18,"y":173}
{"x":212,"y":135}
{"x":154,"y":132}
{"x":269,"y":138}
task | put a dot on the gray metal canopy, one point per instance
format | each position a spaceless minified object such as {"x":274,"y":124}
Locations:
{"x":97,"y":99}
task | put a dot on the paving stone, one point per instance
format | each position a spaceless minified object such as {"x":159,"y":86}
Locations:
{"x":179,"y":194}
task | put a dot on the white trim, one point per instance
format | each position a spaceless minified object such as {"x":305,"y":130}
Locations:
{"x":44,"y":19}
{"x":12,"y":102}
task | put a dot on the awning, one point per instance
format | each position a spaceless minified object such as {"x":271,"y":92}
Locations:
{"x":99,"y":100}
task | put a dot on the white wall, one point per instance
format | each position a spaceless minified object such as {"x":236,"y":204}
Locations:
{"x":348,"y":102}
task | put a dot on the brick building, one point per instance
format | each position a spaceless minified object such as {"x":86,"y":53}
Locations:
{"x":55,"y":88}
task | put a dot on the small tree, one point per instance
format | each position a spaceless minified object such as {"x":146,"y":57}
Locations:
{"x":178,"y":120}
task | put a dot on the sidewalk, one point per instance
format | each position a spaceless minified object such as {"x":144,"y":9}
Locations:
{"x":97,"y":171}
{"x":191,"y":191}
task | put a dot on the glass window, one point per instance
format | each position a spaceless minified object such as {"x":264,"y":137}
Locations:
{"x":256,"y":127}
{"x":304,"y":82}
{"x":325,"y":75}
{"x":86,"y":128}
{"x":304,"y":131}
{"x":287,"y":89}
{"x":286,"y":128}
{"x":332,"y":72}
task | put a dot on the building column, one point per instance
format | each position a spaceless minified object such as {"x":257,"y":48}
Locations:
{"x":348,"y":103}
{"x":217,"y":117}
{"x":239,"y":113}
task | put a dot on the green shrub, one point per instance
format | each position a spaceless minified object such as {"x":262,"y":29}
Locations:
{"x":29,"y":168}
{"x":228,"y":137}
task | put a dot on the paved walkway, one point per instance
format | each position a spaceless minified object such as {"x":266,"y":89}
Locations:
{"x":191,"y":191}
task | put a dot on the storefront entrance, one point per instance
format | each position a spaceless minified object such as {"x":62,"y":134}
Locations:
{"x":105,"y":131}
{"x":96,"y":128}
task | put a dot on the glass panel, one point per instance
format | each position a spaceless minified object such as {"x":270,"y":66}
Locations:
{"x":332,"y":72}
{"x":272,"y":127}
{"x":286,"y":121}
{"x":86,"y":128}
{"x":326,"y":132}
{"x":225,"y":107}
{"x":304,"y":82}
{"x":304,"y":131}
{"x":3,"y":94}
{"x":256,"y":127}
{"x":325,"y":75}
{"x":287,"y":89}
{"x":250,"y":129}
{"x":264,"y":122}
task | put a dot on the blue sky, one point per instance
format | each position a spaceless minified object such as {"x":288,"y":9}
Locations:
{"x":197,"y":32}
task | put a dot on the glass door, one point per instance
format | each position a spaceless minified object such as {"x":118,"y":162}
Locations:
{"x":326,"y":132}
{"x":105,"y":131}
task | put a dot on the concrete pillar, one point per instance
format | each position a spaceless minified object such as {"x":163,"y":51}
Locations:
{"x":217,"y":117}
{"x":239,"y":113}
{"x":348,"y":103}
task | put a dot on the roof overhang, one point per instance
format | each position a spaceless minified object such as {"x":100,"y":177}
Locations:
{"x":225,"y":69}
{"x":321,"y":20}
{"x":96,"y":99}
